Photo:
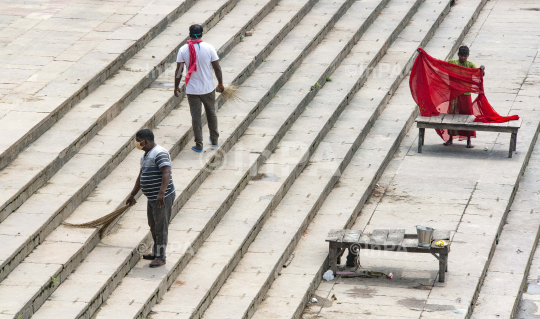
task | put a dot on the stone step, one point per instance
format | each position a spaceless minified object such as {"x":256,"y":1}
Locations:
{"x":352,"y":25}
{"x":293,"y":288}
{"x":191,"y":166}
{"x":245,"y":226}
{"x":482,"y":188}
{"x":527,"y":298}
{"x":508,"y":277}
{"x":59,"y":197}
{"x":90,"y":62}
{"x":508,"y":290}
{"x":23,"y":243}
{"x":491,"y":205}
{"x":198,"y":212}
{"x":74,"y":126}
{"x":296,"y":283}
{"x":263,"y":259}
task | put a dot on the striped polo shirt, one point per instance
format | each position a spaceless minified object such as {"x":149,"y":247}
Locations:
{"x":151,"y":176}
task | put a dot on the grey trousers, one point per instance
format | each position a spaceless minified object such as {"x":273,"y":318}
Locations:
{"x":195,"y":107}
{"x":158,"y":220}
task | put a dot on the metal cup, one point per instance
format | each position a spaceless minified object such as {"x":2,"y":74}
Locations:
{"x":425,"y":236}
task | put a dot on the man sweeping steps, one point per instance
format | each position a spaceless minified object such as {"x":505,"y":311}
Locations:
{"x":156,"y":182}
{"x":200,"y":58}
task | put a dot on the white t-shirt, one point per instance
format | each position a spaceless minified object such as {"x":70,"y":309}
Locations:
{"x":201,"y":81}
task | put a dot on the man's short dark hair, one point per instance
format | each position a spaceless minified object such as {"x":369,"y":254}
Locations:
{"x":195,"y":31}
{"x":463,"y":50}
{"x":145,"y":134}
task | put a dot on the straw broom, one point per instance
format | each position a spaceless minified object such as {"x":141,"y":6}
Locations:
{"x":230,"y":94}
{"x":104,"y":221}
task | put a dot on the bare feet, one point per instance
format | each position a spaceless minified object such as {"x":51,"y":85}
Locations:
{"x":451,"y":141}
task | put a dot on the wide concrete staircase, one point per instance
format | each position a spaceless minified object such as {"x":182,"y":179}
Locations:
{"x":73,"y":124}
{"x":494,"y":242}
{"x":135,"y":49}
{"x":510,"y":288}
{"x":325,"y":105}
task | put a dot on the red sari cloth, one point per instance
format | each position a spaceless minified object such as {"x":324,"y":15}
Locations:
{"x":460,"y":105}
{"x":434,"y":83}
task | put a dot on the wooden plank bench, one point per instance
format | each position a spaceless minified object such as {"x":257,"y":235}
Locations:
{"x":466,"y":123}
{"x":386,"y":239}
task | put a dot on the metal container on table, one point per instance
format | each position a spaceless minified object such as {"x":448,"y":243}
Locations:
{"x":425,"y":236}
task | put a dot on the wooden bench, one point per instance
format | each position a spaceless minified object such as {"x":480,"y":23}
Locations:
{"x":466,"y":123}
{"x":386,"y":239}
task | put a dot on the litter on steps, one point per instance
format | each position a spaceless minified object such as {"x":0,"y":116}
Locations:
{"x":328,"y":275}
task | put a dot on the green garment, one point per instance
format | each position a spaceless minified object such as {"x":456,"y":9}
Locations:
{"x":467,"y":64}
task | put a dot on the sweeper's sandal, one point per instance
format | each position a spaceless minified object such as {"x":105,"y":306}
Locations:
{"x":157,"y":263}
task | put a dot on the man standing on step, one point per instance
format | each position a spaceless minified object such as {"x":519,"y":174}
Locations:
{"x":200,"y":58}
{"x":156,"y":182}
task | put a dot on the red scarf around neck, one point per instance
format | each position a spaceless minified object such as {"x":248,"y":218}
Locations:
{"x":192,"y":58}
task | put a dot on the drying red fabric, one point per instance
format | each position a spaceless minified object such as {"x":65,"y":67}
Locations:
{"x":434,"y":83}
{"x":192,"y":58}
{"x":460,"y":105}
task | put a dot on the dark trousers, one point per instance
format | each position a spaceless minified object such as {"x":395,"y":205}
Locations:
{"x":195,"y":107}
{"x":158,"y":220}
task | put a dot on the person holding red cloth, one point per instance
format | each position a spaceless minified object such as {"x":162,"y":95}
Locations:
{"x":445,"y":87}
{"x":200,"y":58}
{"x":463,"y":103}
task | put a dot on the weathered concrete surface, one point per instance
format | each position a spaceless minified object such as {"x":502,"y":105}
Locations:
{"x":453,"y":188}
{"x":104,"y":152}
{"x":529,"y":301}
{"x":286,"y":225}
{"x":293,"y":288}
{"x":280,"y":170}
{"x":510,"y":273}
{"x":112,"y":191}
{"x":72,"y":131}
{"x":518,"y":252}
{"x":53,"y":53}
{"x":189,"y":166}
{"x":470,"y":199}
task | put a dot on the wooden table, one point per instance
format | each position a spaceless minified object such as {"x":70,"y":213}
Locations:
{"x":466,"y":123}
{"x":386,"y":239}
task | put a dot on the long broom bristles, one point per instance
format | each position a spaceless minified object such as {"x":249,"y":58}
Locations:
{"x":104,"y":221}
{"x":230,"y":94}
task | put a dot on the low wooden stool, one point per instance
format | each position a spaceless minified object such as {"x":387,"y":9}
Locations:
{"x":386,"y":239}
{"x":463,"y":122}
